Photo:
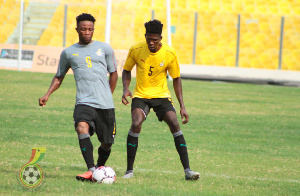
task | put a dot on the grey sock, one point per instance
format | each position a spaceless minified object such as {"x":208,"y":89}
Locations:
{"x":187,"y":170}
{"x":129,"y":171}
{"x":92,"y":169}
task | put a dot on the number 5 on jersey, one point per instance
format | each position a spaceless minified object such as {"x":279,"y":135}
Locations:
{"x":88,"y":61}
{"x":150,"y":71}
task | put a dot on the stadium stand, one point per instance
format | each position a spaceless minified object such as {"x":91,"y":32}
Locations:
{"x":216,"y":28}
{"x":7,"y":20}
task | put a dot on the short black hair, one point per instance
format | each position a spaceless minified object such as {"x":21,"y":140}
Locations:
{"x":85,"y":17}
{"x":154,"y":27}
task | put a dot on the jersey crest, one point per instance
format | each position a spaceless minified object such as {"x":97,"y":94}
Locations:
{"x":162,"y":63}
{"x":99,"y":53}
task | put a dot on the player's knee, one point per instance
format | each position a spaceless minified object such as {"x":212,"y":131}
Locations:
{"x":136,"y":126}
{"x":105,"y":146}
{"x":174,"y":126}
{"x":82,"y":128}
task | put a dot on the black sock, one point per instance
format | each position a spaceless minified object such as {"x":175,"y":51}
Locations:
{"x":86,"y":148}
{"x":132,"y":145}
{"x":182,"y":150}
{"x":103,"y":156}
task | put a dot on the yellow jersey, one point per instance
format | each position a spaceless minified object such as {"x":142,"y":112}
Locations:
{"x":151,"y":70}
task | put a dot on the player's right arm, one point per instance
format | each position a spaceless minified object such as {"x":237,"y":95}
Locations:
{"x":126,"y":79}
{"x":62,"y":69}
{"x":126,"y":75}
{"x":55,"y":84}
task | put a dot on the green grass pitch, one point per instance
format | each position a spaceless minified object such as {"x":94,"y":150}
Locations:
{"x":244,"y":139}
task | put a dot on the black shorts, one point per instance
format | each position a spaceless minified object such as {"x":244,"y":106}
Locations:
{"x":101,"y":121}
{"x":159,"y":105}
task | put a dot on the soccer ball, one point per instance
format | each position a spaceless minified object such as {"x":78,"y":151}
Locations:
{"x":31,"y":175}
{"x":105,"y":175}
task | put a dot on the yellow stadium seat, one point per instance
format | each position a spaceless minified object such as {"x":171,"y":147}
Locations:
{"x":296,"y":54}
{"x":273,"y":9}
{"x":205,"y":57}
{"x":275,"y":22}
{"x":249,"y":1}
{"x":44,"y":41}
{"x":285,"y":10}
{"x":9,"y":28}
{"x":192,"y":4}
{"x":227,"y":8}
{"x":215,"y":6}
{"x":159,"y":4}
{"x":261,"y":37}
{"x":206,"y":60}
{"x":13,"y":19}
{"x":288,"y":24}
{"x":10,"y":4}
{"x":262,"y":8}
{"x":270,"y":65}
{"x":250,"y":52}
{"x":252,"y":27}
{"x":238,"y":5}
{"x":244,"y":62}
{"x":284,"y":65}
{"x":230,"y":61}
{"x":203,"y":6}
{"x":218,"y":57}
{"x":198,"y":60}
{"x":296,"y":10}
{"x":229,"y":19}
{"x":217,"y":20}
{"x":232,"y":44}
{"x":265,"y":27}
{"x":222,"y":42}
{"x":249,"y":8}
{"x":182,"y":4}
{"x":247,"y":37}
{"x":146,"y":3}
{"x":265,"y":57}
{"x":4,"y":12}
{"x":56,"y":41}
{"x":257,"y":46}
{"x":290,"y":61}
{"x":255,"y":63}
{"x":3,"y":38}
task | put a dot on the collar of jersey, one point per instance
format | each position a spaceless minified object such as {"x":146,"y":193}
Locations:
{"x":85,"y":45}
{"x":155,"y":53}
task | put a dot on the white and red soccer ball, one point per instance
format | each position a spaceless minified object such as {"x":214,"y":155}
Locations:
{"x":105,"y":175}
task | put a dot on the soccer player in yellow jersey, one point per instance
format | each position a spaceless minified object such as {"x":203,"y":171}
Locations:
{"x":153,"y":59}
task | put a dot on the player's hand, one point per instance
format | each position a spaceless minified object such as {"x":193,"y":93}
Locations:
{"x":43,"y":101}
{"x":126,"y":93}
{"x":184,"y":116}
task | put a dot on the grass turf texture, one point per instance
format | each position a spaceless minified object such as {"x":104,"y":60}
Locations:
{"x":242,"y":138}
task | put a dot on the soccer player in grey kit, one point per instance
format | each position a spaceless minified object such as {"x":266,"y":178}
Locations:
{"x":94,"y":108}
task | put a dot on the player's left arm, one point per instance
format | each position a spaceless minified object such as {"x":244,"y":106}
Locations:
{"x":178,"y":91}
{"x":111,"y":68}
{"x":174,"y":71}
{"x":113,"y":78}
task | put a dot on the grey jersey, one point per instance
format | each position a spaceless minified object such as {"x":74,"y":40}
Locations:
{"x":90,"y":64}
